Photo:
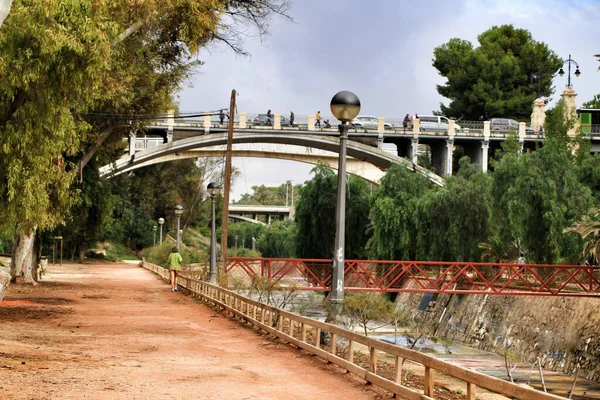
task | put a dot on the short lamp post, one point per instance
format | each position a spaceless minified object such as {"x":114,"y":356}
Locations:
{"x":154,"y":236}
{"x":213,"y":190}
{"x":561,"y":71}
{"x":161,"y":222}
{"x":345,"y":106}
{"x":178,"y":212}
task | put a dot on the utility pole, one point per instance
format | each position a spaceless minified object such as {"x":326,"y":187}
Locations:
{"x":227,"y":182}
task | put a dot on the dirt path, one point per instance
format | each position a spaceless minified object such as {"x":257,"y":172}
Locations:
{"x":115,"y":331}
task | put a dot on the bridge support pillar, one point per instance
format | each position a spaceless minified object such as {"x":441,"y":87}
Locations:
{"x":243,"y":118}
{"x":170,"y":125}
{"x":132,"y":143}
{"x":414,"y":151}
{"x":268,"y":219}
{"x":207,"y":123}
{"x":448,"y":157}
{"x":485,"y":147}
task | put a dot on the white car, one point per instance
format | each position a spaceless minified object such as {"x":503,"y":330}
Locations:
{"x":369,"y":122}
{"x":435,"y":123}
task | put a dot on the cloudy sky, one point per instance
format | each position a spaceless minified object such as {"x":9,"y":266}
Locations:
{"x":382,"y":51}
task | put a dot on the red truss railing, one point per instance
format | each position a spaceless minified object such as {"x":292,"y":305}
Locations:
{"x":425,"y":276}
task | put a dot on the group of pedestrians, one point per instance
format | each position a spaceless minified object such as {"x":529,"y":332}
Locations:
{"x":318,"y":119}
{"x":408,"y":120}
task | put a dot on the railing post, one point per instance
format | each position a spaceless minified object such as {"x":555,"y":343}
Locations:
{"x":380,"y":125}
{"x":318,"y":338}
{"x":416,"y":126}
{"x":243,"y":118}
{"x":487,"y":131}
{"x":428,"y":382}
{"x":373,"y":360}
{"x":207,"y":123}
{"x":333,"y":343}
{"x":351,"y":351}
{"x":277,"y":121}
{"x":311,"y":123}
{"x":471,"y":391}
{"x":451,"y":127}
{"x":303,"y":332}
{"x":398,"y":370}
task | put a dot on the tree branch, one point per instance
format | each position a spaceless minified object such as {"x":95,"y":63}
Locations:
{"x":127,"y":32}
{"x":95,"y":147}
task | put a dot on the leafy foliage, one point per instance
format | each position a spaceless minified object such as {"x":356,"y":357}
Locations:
{"x":278,"y":240}
{"x":364,"y":307}
{"x":272,"y":196}
{"x":498,"y":78}
{"x":315,"y":215}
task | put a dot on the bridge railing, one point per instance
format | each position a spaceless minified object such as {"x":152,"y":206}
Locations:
{"x":342,"y":345}
{"x":424,"y":276}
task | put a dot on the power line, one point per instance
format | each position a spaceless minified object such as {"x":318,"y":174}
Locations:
{"x":141,"y":117}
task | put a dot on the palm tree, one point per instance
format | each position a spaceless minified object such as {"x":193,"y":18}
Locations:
{"x":589,"y":230}
{"x":494,"y":251}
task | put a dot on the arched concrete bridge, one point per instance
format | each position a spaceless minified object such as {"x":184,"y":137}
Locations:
{"x":365,"y":161}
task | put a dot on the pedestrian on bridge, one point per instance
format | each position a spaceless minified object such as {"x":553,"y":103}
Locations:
{"x":174,"y":261}
{"x":222,"y":116}
{"x":292,"y":116}
{"x":406,"y":121}
{"x":269,"y":117}
{"x":318,"y":118}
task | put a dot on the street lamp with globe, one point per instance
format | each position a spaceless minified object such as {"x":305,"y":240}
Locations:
{"x":213,"y":190}
{"x":161,"y":222}
{"x":345,"y":106}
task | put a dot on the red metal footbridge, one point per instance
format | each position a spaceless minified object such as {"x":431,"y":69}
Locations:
{"x":423,"y":276}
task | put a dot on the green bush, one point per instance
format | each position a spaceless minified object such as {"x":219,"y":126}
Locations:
{"x":159,"y":254}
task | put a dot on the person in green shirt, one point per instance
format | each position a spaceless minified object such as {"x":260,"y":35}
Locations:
{"x":174,"y":262}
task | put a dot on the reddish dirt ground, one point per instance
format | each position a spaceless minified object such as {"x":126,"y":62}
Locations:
{"x":115,"y":331}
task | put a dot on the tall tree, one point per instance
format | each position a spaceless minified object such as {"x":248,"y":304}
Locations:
{"x":62,"y":61}
{"x":315,"y":215}
{"x":499,"y":78}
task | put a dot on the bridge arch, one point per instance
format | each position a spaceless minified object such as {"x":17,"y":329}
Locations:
{"x":173,"y":150}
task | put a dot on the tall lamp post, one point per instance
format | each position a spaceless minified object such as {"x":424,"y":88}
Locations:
{"x":345,"y":106}
{"x":213,"y":190}
{"x":561,"y":71}
{"x":161,"y":222}
{"x":154,"y":236}
{"x":178,"y":212}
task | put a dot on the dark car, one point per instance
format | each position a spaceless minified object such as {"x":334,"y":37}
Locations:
{"x":264,"y":120}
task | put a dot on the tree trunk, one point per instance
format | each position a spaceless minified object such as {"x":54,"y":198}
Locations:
{"x":23,"y":265}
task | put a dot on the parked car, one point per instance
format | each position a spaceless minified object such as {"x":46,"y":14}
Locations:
{"x":506,"y":125}
{"x":369,"y":122}
{"x":435,"y":123}
{"x":264,"y":120}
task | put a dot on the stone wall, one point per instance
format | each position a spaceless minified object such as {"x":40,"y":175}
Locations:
{"x":562,"y":331}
